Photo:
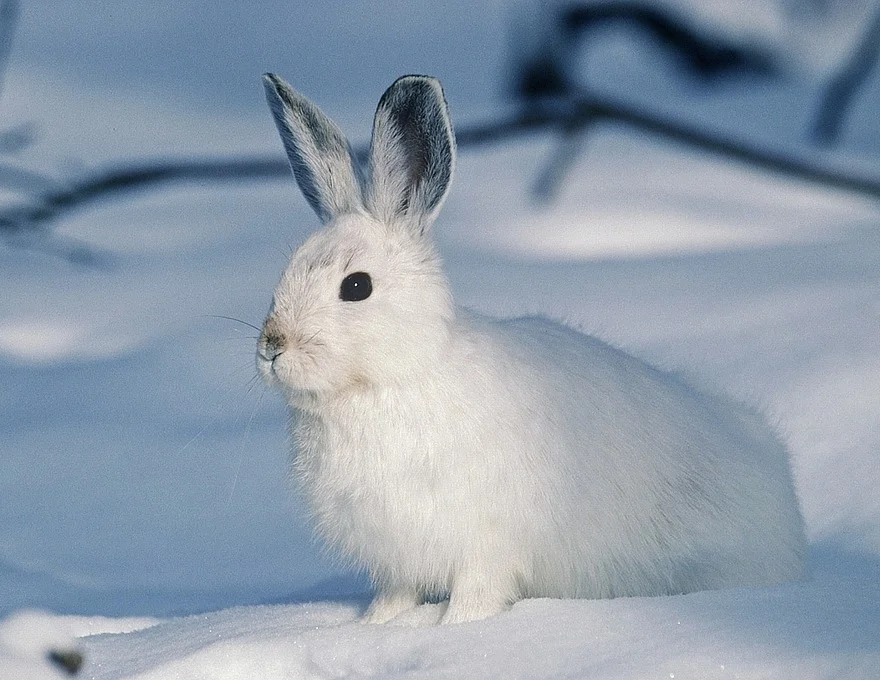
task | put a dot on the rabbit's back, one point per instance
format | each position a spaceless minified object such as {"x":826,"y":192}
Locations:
{"x":662,"y":488}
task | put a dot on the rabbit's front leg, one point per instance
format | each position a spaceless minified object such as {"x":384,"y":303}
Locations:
{"x":477,"y":596}
{"x":390,"y":603}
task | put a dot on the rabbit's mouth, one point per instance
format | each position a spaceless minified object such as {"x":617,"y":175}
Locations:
{"x":294,"y":368}
{"x":278,"y":371}
{"x":266,"y":368}
{"x":275,"y":363}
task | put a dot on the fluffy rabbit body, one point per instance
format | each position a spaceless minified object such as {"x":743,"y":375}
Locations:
{"x":451,"y":454}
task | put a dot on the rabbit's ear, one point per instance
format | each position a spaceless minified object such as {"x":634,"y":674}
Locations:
{"x":412,"y":154}
{"x":318,"y":151}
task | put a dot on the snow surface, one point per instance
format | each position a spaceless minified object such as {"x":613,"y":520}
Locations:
{"x":143,"y":469}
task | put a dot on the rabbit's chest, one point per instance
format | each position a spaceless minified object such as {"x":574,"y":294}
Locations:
{"x":376,"y":491}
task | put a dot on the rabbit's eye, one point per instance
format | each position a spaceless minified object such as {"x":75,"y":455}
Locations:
{"x":356,"y":287}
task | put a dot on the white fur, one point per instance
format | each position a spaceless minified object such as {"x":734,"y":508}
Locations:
{"x":455,"y":455}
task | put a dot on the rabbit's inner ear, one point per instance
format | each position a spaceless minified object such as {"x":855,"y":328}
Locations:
{"x":413,"y":152}
{"x":319,"y":153}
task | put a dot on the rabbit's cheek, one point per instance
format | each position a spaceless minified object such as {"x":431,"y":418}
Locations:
{"x":304,"y":369}
{"x":286,"y":369}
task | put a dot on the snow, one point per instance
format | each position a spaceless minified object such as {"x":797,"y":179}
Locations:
{"x":146,"y":519}
{"x":801,"y":630}
{"x":29,"y":636}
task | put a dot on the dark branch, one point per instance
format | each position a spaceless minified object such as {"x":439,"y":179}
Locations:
{"x":568,"y":149}
{"x":774,"y":161}
{"x":49,"y":205}
{"x":595,"y":110}
{"x":574,"y":116}
{"x":24,"y":181}
{"x":842,"y":88}
{"x":705,"y":56}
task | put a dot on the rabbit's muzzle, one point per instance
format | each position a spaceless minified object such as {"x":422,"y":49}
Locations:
{"x":270,"y":347}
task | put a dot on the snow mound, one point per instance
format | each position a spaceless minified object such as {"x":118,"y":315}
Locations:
{"x":826,"y":628}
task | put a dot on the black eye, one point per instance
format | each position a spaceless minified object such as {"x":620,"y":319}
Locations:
{"x":356,"y":287}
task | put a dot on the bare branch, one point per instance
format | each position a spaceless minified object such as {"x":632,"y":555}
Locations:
{"x":708,"y":57}
{"x":49,"y":205}
{"x":13,"y":178}
{"x":542,"y":74}
{"x":808,"y":169}
{"x":547,"y":67}
{"x":571,"y":145}
{"x":843,"y":87}
{"x":587,"y":110}
{"x":596,"y":110}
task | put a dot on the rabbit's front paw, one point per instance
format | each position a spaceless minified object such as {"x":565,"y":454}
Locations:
{"x":464,"y":612}
{"x":388,"y":605}
{"x":474,"y":600}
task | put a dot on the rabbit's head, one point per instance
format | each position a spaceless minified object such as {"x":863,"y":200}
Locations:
{"x":364,"y":302}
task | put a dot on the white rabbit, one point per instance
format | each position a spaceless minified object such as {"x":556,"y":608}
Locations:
{"x":450,"y":454}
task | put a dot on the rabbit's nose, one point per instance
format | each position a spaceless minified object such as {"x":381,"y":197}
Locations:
{"x":270,"y":347}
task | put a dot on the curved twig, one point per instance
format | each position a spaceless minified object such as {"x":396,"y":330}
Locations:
{"x":594,"y":110}
{"x":574,"y":115}
{"x":705,"y":56}
{"x":49,"y":205}
{"x":702,"y":55}
{"x":570,"y":146}
{"x":24,"y":181}
{"x":802,"y":168}
{"x":844,"y":86}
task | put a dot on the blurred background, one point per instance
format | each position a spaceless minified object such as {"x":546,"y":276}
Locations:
{"x":696,"y":181}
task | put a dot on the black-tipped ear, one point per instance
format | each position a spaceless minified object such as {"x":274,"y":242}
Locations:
{"x":412,"y":155}
{"x":318,"y":151}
